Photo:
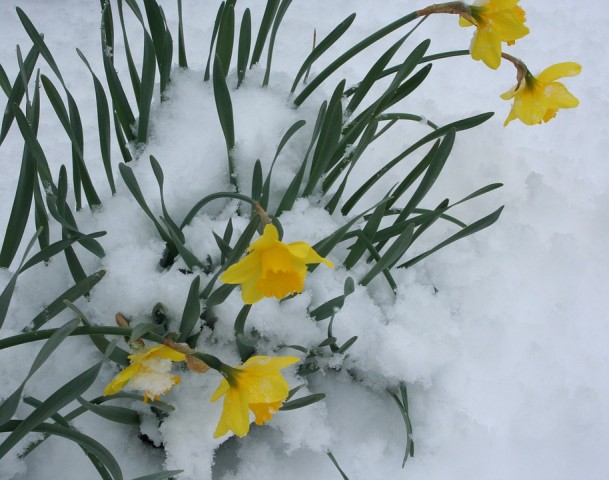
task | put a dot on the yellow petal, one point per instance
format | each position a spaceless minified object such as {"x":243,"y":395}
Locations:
{"x":235,"y":414}
{"x":266,"y":363}
{"x":559,"y":96}
{"x":221,"y":390}
{"x":486,"y":46}
{"x":245,"y":269}
{"x":269,"y":237}
{"x":304,"y":252}
{"x":121,"y":379}
{"x":250,"y":293}
{"x":559,"y":70}
{"x":508,"y":25}
{"x":509,"y":94}
{"x":163,"y":351}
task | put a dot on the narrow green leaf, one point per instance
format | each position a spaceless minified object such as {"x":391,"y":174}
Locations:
{"x":7,"y":293}
{"x":209,"y":198}
{"x":59,"y":399}
{"x":224,"y":108}
{"x":147,"y":88}
{"x":320,"y":49}
{"x":302,"y":402}
{"x":245,"y":40}
{"x":160,"y":475}
{"x":369,"y":230}
{"x":347,"y":345}
{"x":133,"y":74}
{"x":257,"y":181}
{"x":345,"y":57}
{"x":5,"y":83}
{"x":283,"y":7}
{"x":391,"y":256}
{"x":469,"y":230}
{"x":17,"y":92}
{"x":87,"y":443}
{"x":329,"y":308}
{"x":340,"y":470}
{"x":103,"y":124}
{"x":245,"y":345}
{"x":192,"y":310}
{"x":158,"y":173}
{"x":112,"y":413}
{"x":181,"y":46}
{"x":266,"y":189}
{"x":459,"y":125}
{"x":265,"y":27}
{"x":213,"y":39}
{"x":226,"y":38}
{"x":71,"y":294}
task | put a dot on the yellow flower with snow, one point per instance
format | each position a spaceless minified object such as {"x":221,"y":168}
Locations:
{"x":150,"y":372}
{"x":537,"y":99}
{"x":272,"y":268}
{"x":496,"y":21}
{"x":257,"y":385}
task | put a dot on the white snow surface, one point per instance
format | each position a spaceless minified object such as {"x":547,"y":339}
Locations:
{"x":502,"y":337}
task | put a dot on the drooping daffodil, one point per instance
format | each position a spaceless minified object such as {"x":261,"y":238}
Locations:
{"x":257,"y":385}
{"x":272,"y":268}
{"x":537,"y":99}
{"x":149,"y":371}
{"x":496,"y":21}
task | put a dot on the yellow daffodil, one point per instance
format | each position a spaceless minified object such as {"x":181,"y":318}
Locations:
{"x":150,"y":371}
{"x":537,"y":99}
{"x":496,"y":21}
{"x":272,"y":268}
{"x":256,"y":385}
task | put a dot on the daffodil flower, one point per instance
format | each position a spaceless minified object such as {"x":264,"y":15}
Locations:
{"x":150,"y":372}
{"x":272,"y":268}
{"x":496,"y":21}
{"x":537,"y":99}
{"x":257,"y":385}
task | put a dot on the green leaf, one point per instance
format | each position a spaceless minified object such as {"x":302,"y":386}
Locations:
{"x":243,"y":51}
{"x":318,"y":51}
{"x":283,"y":7}
{"x":340,"y":470}
{"x":302,"y":402}
{"x":266,"y":189}
{"x":219,"y":295}
{"x":134,"y":188}
{"x":5,"y":83}
{"x":328,"y":139}
{"x":224,"y":108}
{"x":391,"y":256}
{"x":459,"y":125}
{"x":7,"y":293}
{"x":181,"y":46}
{"x":133,"y":74}
{"x":71,"y":294}
{"x":345,"y":57}
{"x":209,"y":198}
{"x":160,"y":178}
{"x":160,"y":475}
{"x":470,"y":229}
{"x":265,"y":26}
{"x":147,"y":88}
{"x":347,"y":345}
{"x":403,"y":407}
{"x":9,"y":406}
{"x":329,"y":308}
{"x":85,"y":442}
{"x":245,"y":345}
{"x":226,"y":37}
{"x":213,"y":39}
{"x":112,"y":413}
{"x":192,"y":310}
{"x":59,"y":399}
{"x":292,"y":193}
{"x":20,"y":210}
{"x":103,"y":124}
{"x":17,"y":91}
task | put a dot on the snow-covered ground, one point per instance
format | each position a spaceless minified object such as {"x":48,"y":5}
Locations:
{"x":507,"y":364}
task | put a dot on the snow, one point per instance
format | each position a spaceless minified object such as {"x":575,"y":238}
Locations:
{"x":501,"y":337}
